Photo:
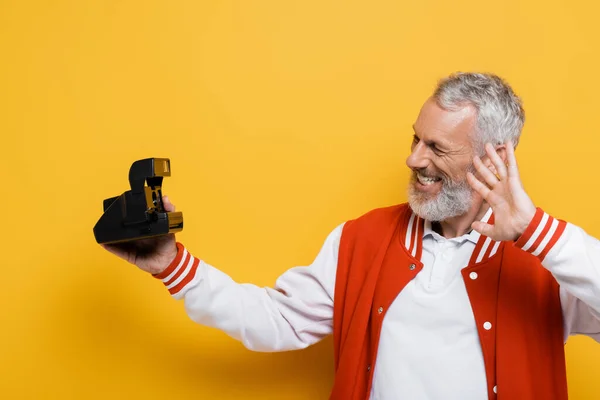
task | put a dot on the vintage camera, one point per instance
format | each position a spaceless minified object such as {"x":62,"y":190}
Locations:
{"x":139,"y":213}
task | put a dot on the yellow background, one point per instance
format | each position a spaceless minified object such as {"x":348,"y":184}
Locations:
{"x":281,"y":119}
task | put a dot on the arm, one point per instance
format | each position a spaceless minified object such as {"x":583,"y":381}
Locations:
{"x":573,"y":258}
{"x":297,"y":312}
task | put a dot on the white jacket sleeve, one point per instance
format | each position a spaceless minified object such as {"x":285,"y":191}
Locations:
{"x":573,"y":258}
{"x":296,"y":313}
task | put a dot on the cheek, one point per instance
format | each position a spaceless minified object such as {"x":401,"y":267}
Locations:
{"x":444,"y":168}
{"x":454,"y":170}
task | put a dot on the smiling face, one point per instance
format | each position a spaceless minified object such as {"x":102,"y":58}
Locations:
{"x":442,"y":154}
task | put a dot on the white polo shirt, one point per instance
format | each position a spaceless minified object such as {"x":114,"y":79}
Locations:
{"x":429,"y":346}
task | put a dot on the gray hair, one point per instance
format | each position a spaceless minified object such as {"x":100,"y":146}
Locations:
{"x":500,"y":114}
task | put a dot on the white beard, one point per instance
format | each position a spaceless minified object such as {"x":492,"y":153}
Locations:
{"x":453,"y":200}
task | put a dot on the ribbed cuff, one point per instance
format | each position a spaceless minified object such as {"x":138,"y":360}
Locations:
{"x":541,"y":235}
{"x":180,"y":272}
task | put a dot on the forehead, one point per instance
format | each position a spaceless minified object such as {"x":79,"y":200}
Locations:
{"x":436,"y":124}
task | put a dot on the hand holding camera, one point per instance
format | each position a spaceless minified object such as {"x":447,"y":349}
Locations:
{"x":139,"y":226}
{"x":152,"y":254}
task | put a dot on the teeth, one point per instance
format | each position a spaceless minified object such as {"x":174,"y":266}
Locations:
{"x":425,"y":180}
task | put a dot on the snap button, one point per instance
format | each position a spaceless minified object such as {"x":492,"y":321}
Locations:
{"x":380,"y":310}
{"x":495,"y":389}
{"x":473,"y":275}
{"x":368,"y":367}
{"x":487,"y":326}
{"x":412,"y":267}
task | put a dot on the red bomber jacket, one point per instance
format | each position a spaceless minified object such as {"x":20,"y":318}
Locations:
{"x":514,"y":299}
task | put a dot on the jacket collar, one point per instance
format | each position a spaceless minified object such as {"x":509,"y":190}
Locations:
{"x":417,"y":228}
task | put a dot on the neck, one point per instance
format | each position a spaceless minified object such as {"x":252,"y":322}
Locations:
{"x":460,"y":225}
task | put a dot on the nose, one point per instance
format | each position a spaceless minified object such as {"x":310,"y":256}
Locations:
{"x":418,"y":157}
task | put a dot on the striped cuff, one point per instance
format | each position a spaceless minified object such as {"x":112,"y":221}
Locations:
{"x":541,"y":235}
{"x":180,"y":272}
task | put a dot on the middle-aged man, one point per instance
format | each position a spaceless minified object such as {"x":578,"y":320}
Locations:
{"x":468,"y":291}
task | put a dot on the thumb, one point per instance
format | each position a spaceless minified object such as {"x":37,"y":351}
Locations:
{"x":483,"y":228}
{"x":170,"y":207}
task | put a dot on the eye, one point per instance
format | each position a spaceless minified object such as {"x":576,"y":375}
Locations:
{"x":436,"y":150}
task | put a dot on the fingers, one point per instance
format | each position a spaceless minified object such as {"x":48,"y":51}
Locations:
{"x":513,"y":170}
{"x":496,"y":160}
{"x":482,"y":189}
{"x":486,"y":173}
{"x":483,"y":228}
{"x":476,"y":184}
{"x":115,"y":250}
{"x":170,"y":207}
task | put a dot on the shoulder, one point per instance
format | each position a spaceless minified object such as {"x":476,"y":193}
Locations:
{"x":381,"y":215}
{"x":375,"y":222}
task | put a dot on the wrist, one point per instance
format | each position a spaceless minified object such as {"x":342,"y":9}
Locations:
{"x":180,"y":271}
{"x":541,"y":234}
{"x":526,"y":220}
{"x":170,"y":257}
{"x":170,"y":261}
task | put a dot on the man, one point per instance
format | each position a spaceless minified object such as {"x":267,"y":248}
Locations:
{"x":467,"y":292}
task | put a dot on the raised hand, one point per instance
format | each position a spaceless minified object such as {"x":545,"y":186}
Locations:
{"x":503,"y":191}
{"x":152,"y":255}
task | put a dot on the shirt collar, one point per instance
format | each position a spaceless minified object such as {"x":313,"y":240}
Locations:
{"x":472,"y":236}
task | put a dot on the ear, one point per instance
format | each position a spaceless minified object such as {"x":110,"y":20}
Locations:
{"x":501,"y":150}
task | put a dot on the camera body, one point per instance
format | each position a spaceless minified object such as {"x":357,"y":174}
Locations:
{"x":139,"y":213}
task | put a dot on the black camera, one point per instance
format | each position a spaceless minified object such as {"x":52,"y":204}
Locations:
{"x":139,"y":213}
